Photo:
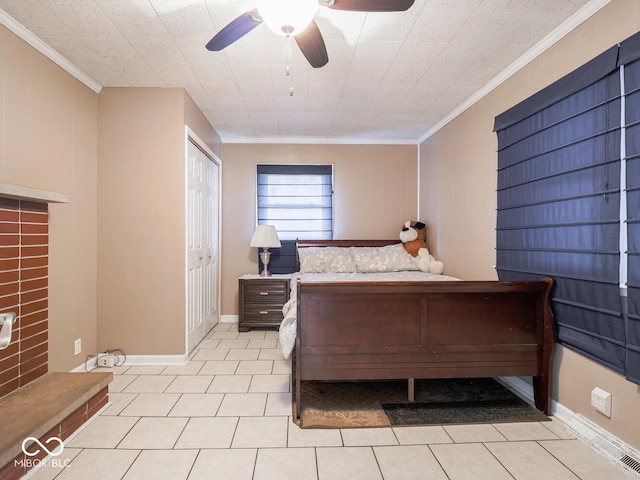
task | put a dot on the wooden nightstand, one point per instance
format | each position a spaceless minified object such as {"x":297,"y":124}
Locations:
{"x":260,"y":300}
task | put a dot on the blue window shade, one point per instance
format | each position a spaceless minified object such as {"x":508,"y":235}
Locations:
{"x":559,"y":204}
{"x":297,"y":200}
{"x":283,"y":259}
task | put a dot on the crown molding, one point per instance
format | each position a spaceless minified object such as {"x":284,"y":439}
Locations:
{"x":21,"y":31}
{"x":543,"y":45}
{"x":316,"y":141}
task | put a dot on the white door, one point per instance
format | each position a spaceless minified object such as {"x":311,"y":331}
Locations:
{"x":202,"y":245}
{"x":211,"y":180}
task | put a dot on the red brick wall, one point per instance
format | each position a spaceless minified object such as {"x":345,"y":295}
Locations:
{"x":24,"y":240}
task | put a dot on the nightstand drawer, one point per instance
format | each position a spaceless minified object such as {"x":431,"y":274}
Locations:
{"x":262,"y":313}
{"x":264,"y":292}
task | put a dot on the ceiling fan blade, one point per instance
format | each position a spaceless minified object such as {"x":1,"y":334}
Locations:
{"x":369,"y":5}
{"x":235,"y":30}
{"x":312,"y":45}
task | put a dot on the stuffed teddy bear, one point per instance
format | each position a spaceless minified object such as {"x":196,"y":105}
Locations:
{"x":414,"y":239}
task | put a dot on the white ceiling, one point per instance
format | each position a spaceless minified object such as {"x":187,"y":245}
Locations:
{"x":391,"y":77}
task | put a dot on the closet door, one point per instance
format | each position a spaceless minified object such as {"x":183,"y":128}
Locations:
{"x":202,"y":245}
{"x":210,"y":234}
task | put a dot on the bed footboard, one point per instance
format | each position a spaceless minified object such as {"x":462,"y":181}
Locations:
{"x":407,"y":330}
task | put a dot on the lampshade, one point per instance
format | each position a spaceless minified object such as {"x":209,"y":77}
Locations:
{"x":265,"y":236}
{"x":287,"y":17}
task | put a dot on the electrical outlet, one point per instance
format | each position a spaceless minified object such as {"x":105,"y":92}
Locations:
{"x":77,"y":346}
{"x":601,"y":401}
{"x":108,"y":361}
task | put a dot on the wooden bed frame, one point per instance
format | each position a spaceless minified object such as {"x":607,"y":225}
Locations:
{"x":431,"y":329}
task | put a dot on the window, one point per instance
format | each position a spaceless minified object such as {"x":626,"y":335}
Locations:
{"x":566,"y":171}
{"x":297,"y":200}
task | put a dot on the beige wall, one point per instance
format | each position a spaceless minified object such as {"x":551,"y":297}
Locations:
{"x":457,"y":196}
{"x":197,"y":122}
{"x":49,"y":140}
{"x":48,"y":136}
{"x":458,"y":199}
{"x":141,"y":217}
{"x":375,"y":192}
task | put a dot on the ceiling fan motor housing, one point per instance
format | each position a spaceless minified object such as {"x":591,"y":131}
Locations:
{"x":287,"y":17}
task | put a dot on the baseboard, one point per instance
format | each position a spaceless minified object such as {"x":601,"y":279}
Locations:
{"x":621,"y":454}
{"x":138,"y":360}
{"x":228,"y":318}
{"x":525,"y":391}
{"x":521,"y":388}
{"x":80,"y":368}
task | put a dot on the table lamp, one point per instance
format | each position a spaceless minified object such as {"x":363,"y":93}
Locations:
{"x":265,"y":237}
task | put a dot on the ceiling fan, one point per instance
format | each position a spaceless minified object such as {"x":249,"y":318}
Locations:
{"x":294,"y":18}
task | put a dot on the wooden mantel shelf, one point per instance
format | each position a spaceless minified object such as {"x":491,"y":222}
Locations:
{"x":19,"y":192}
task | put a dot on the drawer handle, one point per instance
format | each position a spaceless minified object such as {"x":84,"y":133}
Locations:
{"x":264,"y":312}
{"x":264,"y":294}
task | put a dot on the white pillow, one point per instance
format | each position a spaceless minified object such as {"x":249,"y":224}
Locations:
{"x":390,"y":258}
{"x":326,"y":259}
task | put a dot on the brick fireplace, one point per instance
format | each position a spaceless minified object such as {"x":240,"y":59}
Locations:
{"x":35,"y":403}
{"x":24,"y":238}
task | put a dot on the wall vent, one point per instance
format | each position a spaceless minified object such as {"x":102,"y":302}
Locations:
{"x":622,"y":455}
{"x":631,"y":463}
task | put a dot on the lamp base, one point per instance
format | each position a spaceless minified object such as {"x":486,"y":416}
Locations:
{"x":265,"y":256}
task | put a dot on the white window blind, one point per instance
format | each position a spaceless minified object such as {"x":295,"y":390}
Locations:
{"x":297,"y":200}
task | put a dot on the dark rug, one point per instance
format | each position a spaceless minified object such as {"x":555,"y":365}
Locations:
{"x":437,"y":402}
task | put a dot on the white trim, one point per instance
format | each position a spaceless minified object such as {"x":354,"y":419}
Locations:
{"x":168,"y":360}
{"x":190,"y":134}
{"x":228,"y":318}
{"x":318,"y":141}
{"x":518,"y":386}
{"x":26,"y":35}
{"x":138,"y":360}
{"x":525,"y":391}
{"x":185,"y":183}
{"x":547,"y":42}
{"x":81,"y":368}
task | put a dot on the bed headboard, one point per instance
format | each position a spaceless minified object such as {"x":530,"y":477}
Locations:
{"x":340,"y":243}
{"x":283,"y":259}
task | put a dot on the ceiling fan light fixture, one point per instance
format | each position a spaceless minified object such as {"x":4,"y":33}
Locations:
{"x":287,"y":17}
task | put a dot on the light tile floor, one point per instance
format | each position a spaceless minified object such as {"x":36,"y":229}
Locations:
{"x":227,"y":415}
